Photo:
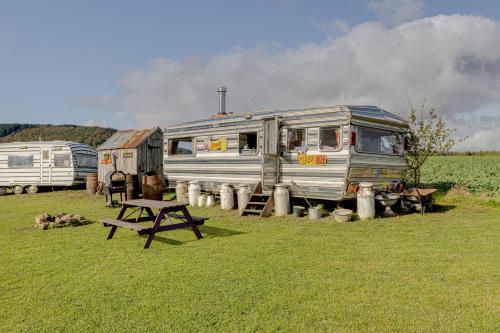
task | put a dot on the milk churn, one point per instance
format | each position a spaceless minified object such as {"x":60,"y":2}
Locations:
{"x":210,"y":201}
{"x":244,"y":195}
{"x":281,"y":200}
{"x":366,"y":201}
{"x":226,"y":197}
{"x":181,"y":189}
{"x":202,"y":200}
{"x":194,"y":193}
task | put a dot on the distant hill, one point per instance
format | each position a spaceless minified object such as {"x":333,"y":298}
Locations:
{"x":92,"y":136}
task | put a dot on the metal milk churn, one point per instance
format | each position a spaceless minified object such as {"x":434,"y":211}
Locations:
{"x":281,"y":200}
{"x":210,"y":201}
{"x":244,"y":195}
{"x":202,"y":200}
{"x":366,"y":201}
{"x":194,"y":193}
{"x":181,"y":189}
{"x":226,"y":197}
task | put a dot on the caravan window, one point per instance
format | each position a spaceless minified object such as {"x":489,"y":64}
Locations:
{"x":62,"y":160}
{"x":296,"y":139}
{"x":84,"y":160}
{"x":248,"y":143}
{"x":378,"y":141}
{"x":329,"y":138}
{"x":25,"y":161}
{"x":181,"y":146}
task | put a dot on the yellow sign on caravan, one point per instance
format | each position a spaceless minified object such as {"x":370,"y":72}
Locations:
{"x":220,"y":144}
{"x":305,"y":159}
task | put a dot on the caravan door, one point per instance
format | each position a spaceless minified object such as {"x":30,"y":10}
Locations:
{"x":270,"y":151}
{"x":45,"y":166}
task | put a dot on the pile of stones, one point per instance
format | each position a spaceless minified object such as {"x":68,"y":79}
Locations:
{"x":48,"y":221}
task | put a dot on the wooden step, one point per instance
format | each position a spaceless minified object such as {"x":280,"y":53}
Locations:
{"x":252,"y":211}
{"x":256,"y":203}
{"x":260,"y":203}
{"x":123,"y":224}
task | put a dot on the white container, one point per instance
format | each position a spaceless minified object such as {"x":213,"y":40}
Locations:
{"x":202,"y":200}
{"x":194,"y":193}
{"x":281,"y":200}
{"x":342,"y":215}
{"x":210,"y":201}
{"x":181,"y":189}
{"x":244,"y":195}
{"x":366,"y":201}
{"x":226,"y":197}
{"x":314,"y":213}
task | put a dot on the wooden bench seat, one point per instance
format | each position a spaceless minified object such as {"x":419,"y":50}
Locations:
{"x":196,"y":219}
{"x":127,"y":225}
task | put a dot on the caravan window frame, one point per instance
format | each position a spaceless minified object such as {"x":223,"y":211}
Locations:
{"x":30,"y":156}
{"x":257,"y":145}
{"x":358,"y":138}
{"x":304,"y":138}
{"x":56,"y":165}
{"x":193,"y":144}
{"x":339,"y":143}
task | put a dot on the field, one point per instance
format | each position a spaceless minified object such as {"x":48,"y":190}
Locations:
{"x":414,"y":273}
{"x":476,"y":173}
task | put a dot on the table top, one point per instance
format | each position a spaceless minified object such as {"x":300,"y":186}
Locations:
{"x":152,"y":203}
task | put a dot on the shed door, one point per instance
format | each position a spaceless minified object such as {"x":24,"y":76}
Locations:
{"x":270,"y":158}
{"x":45,"y":166}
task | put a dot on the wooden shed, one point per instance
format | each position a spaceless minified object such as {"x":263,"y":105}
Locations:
{"x":132,"y":151}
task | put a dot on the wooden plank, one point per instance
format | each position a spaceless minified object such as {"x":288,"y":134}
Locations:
{"x":146,"y":203}
{"x":123,"y":224}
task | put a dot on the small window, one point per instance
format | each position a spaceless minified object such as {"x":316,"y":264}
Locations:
{"x":62,"y":160}
{"x":248,"y":143}
{"x":329,"y":138}
{"x":296,"y":139}
{"x":88,"y":161}
{"x":181,"y":146}
{"x":20,"y":161}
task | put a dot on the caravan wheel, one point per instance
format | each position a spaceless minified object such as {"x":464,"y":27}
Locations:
{"x":3,"y":191}
{"x":32,"y":189}
{"x":18,"y":189}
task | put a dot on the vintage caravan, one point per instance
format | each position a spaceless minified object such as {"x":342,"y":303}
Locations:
{"x":27,"y":166}
{"x":320,"y":153}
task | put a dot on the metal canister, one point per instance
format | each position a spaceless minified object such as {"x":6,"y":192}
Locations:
{"x":281,"y":200}
{"x":366,"y":201}
{"x":181,"y":189}
{"x":210,"y":201}
{"x":244,"y":195}
{"x":194,"y":191}
{"x":226,"y":197}
{"x":202,"y":200}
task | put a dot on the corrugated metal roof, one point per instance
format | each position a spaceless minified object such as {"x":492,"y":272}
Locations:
{"x":130,"y":138}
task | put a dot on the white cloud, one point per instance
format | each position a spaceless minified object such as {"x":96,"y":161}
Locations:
{"x":394,"y":12}
{"x":452,"y":61}
{"x":92,"y":122}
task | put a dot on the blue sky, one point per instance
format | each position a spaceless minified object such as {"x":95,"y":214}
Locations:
{"x":54,"y":54}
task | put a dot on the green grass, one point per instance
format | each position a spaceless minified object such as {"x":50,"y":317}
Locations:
{"x":438,"y":272}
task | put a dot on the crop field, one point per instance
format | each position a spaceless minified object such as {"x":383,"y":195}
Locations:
{"x":437,"y":272}
{"x":476,"y":173}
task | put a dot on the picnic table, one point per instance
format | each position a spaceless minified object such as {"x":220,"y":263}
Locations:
{"x":166,"y":210}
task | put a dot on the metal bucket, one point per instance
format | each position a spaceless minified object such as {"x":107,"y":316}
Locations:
{"x":314,"y":213}
{"x":298,"y":211}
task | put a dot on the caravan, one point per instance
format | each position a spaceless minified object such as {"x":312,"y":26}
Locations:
{"x":27,"y":166}
{"x":320,"y":153}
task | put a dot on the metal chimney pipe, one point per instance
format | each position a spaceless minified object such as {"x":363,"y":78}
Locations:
{"x":222,"y":100}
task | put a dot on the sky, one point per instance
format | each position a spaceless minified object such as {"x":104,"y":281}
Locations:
{"x":127,"y":64}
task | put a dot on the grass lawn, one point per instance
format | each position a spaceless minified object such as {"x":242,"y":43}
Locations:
{"x":438,"y":272}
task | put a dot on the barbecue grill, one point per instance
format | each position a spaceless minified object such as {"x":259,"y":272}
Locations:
{"x":115,"y":182}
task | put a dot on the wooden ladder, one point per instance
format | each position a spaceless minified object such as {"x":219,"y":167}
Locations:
{"x":260,"y":203}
